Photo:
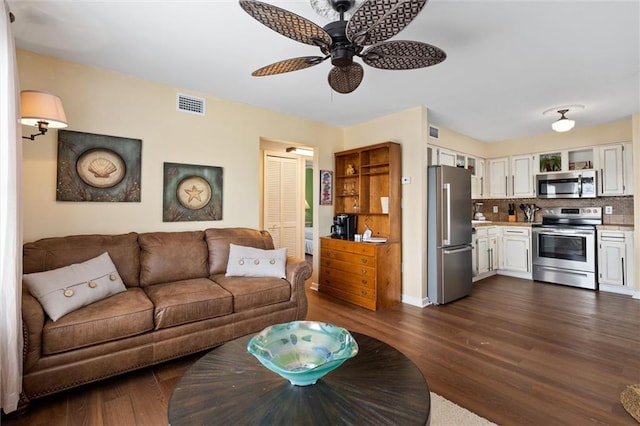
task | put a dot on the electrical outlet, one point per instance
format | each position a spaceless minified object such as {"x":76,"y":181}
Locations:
{"x":495,"y":209}
{"x":608,"y":209}
{"x":405,"y":179}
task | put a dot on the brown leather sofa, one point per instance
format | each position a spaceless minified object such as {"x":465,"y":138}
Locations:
{"x":178,"y":301}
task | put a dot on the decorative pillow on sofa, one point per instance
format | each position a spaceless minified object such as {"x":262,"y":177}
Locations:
{"x":66,"y":289}
{"x":254,"y":262}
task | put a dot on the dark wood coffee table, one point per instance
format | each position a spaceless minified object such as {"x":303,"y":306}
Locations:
{"x":228,"y":386}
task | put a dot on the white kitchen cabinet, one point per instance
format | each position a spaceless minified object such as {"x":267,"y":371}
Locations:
{"x":477,"y":177}
{"x":522,"y":176}
{"x":628,"y":169}
{"x":446,"y":157}
{"x":498,"y":179}
{"x":615,"y":257}
{"x":515,"y":253}
{"x":611,"y":170}
{"x":485,"y":262}
{"x":511,"y":176}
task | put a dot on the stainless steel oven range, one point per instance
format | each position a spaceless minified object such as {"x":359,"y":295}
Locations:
{"x":564,"y":246}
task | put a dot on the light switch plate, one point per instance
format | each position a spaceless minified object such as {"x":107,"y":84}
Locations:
{"x":608,"y":209}
{"x":495,"y":209}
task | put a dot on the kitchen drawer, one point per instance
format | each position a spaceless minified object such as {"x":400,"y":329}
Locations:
{"x":485,"y":231}
{"x":331,"y":275}
{"x":367,"y":249}
{"x":514,"y":230}
{"x":356,"y":259}
{"x":349,"y":267}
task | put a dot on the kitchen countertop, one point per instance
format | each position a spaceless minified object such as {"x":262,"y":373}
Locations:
{"x":487,"y":223}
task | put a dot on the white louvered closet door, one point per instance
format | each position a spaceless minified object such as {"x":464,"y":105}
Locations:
{"x":282,"y":203}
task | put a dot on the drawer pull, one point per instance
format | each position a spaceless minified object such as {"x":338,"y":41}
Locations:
{"x":364,"y":281}
{"x":364,"y":271}
{"x":364,"y":260}
{"x":364,"y":292}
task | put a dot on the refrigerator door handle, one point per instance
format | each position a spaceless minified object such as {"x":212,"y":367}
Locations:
{"x":446,"y":216}
{"x":459,"y":250}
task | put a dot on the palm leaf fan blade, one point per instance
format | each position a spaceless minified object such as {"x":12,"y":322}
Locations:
{"x":379,"y":20}
{"x":403,"y":55}
{"x":288,"y":65}
{"x":346,"y":79}
{"x":287,"y":23}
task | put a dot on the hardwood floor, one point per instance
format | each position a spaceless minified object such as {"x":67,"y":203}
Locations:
{"x":515,"y":352}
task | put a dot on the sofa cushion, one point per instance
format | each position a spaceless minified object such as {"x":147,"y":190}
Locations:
{"x":218,"y":240}
{"x":66,"y":289}
{"x":249,"y":293}
{"x":52,"y":253}
{"x":172,"y":256}
{"x":254,"y":262}
{"x":187,"y":301}
{"x":122,"y":315}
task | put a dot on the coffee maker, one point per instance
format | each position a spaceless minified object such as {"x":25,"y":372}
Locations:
{"x":344,"y":226}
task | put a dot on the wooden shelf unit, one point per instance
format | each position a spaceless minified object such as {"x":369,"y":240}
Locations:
{"x":366,"y":274}
{"x":377,"y":174}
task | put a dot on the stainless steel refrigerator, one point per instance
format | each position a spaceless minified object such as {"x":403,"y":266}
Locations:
{"x":449,"y":274}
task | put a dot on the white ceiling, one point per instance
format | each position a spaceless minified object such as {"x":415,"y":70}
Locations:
{"x":507,"y":61}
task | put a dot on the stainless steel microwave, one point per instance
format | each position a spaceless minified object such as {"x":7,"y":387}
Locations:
{"x":574,"y":184}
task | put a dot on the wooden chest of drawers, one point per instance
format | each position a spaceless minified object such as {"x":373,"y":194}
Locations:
{"x":367,"y":274}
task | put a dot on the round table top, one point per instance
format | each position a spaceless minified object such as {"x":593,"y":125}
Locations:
{"x":380,"y":386}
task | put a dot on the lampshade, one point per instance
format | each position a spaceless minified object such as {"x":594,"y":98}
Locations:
{"x":41,"y":107}
{"x":563,"y":124}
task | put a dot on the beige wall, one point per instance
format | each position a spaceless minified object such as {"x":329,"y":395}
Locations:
{"x":103,"y":102}
{"x":408,"y":129}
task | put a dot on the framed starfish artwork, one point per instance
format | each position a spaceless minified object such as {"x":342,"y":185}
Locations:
{"x":191,"y":193}
{"x":98,"y":168}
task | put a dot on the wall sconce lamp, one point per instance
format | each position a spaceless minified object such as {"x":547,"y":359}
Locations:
{"x":301,"y":151}
{"x":563,"y":124}
{"x":42,"y":110}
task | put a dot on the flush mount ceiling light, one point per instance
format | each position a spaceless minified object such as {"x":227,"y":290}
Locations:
{"x":563,"y":124}
{"x":301,"y":151}
{"x":42,"y":110}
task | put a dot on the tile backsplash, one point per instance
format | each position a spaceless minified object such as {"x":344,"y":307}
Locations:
{"x":622,"y":208}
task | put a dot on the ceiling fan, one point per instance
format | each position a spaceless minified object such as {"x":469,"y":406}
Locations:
{"x":371,"y":24}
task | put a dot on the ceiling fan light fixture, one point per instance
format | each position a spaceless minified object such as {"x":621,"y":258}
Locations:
{"x":330,"y":9}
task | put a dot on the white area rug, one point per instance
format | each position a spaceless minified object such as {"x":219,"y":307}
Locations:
{"x":447,"y":413}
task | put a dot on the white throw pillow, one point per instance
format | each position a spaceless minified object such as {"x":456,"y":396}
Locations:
{"x":254,"y":262}
{"x":66,"y":289}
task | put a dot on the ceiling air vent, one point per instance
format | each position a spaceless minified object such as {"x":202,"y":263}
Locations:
{"x":190,"y":104}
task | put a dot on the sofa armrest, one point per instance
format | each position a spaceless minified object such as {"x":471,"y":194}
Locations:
{"x":32,"y":324}
{"x":298,"y":271}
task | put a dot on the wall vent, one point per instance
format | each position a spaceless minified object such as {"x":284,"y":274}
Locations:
{"x":190,"y":104}
{"x":434,"y":132}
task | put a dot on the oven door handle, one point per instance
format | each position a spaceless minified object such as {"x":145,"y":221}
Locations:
{"x":562,"y":232}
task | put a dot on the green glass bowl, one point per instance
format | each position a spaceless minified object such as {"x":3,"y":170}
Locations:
{"x":303,"y":351}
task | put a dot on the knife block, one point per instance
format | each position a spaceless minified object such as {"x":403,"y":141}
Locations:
{"x":512,"y":218}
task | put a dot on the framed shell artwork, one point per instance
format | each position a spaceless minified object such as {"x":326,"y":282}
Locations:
{"x":98,"y":168}
{"x":191,"y":193}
